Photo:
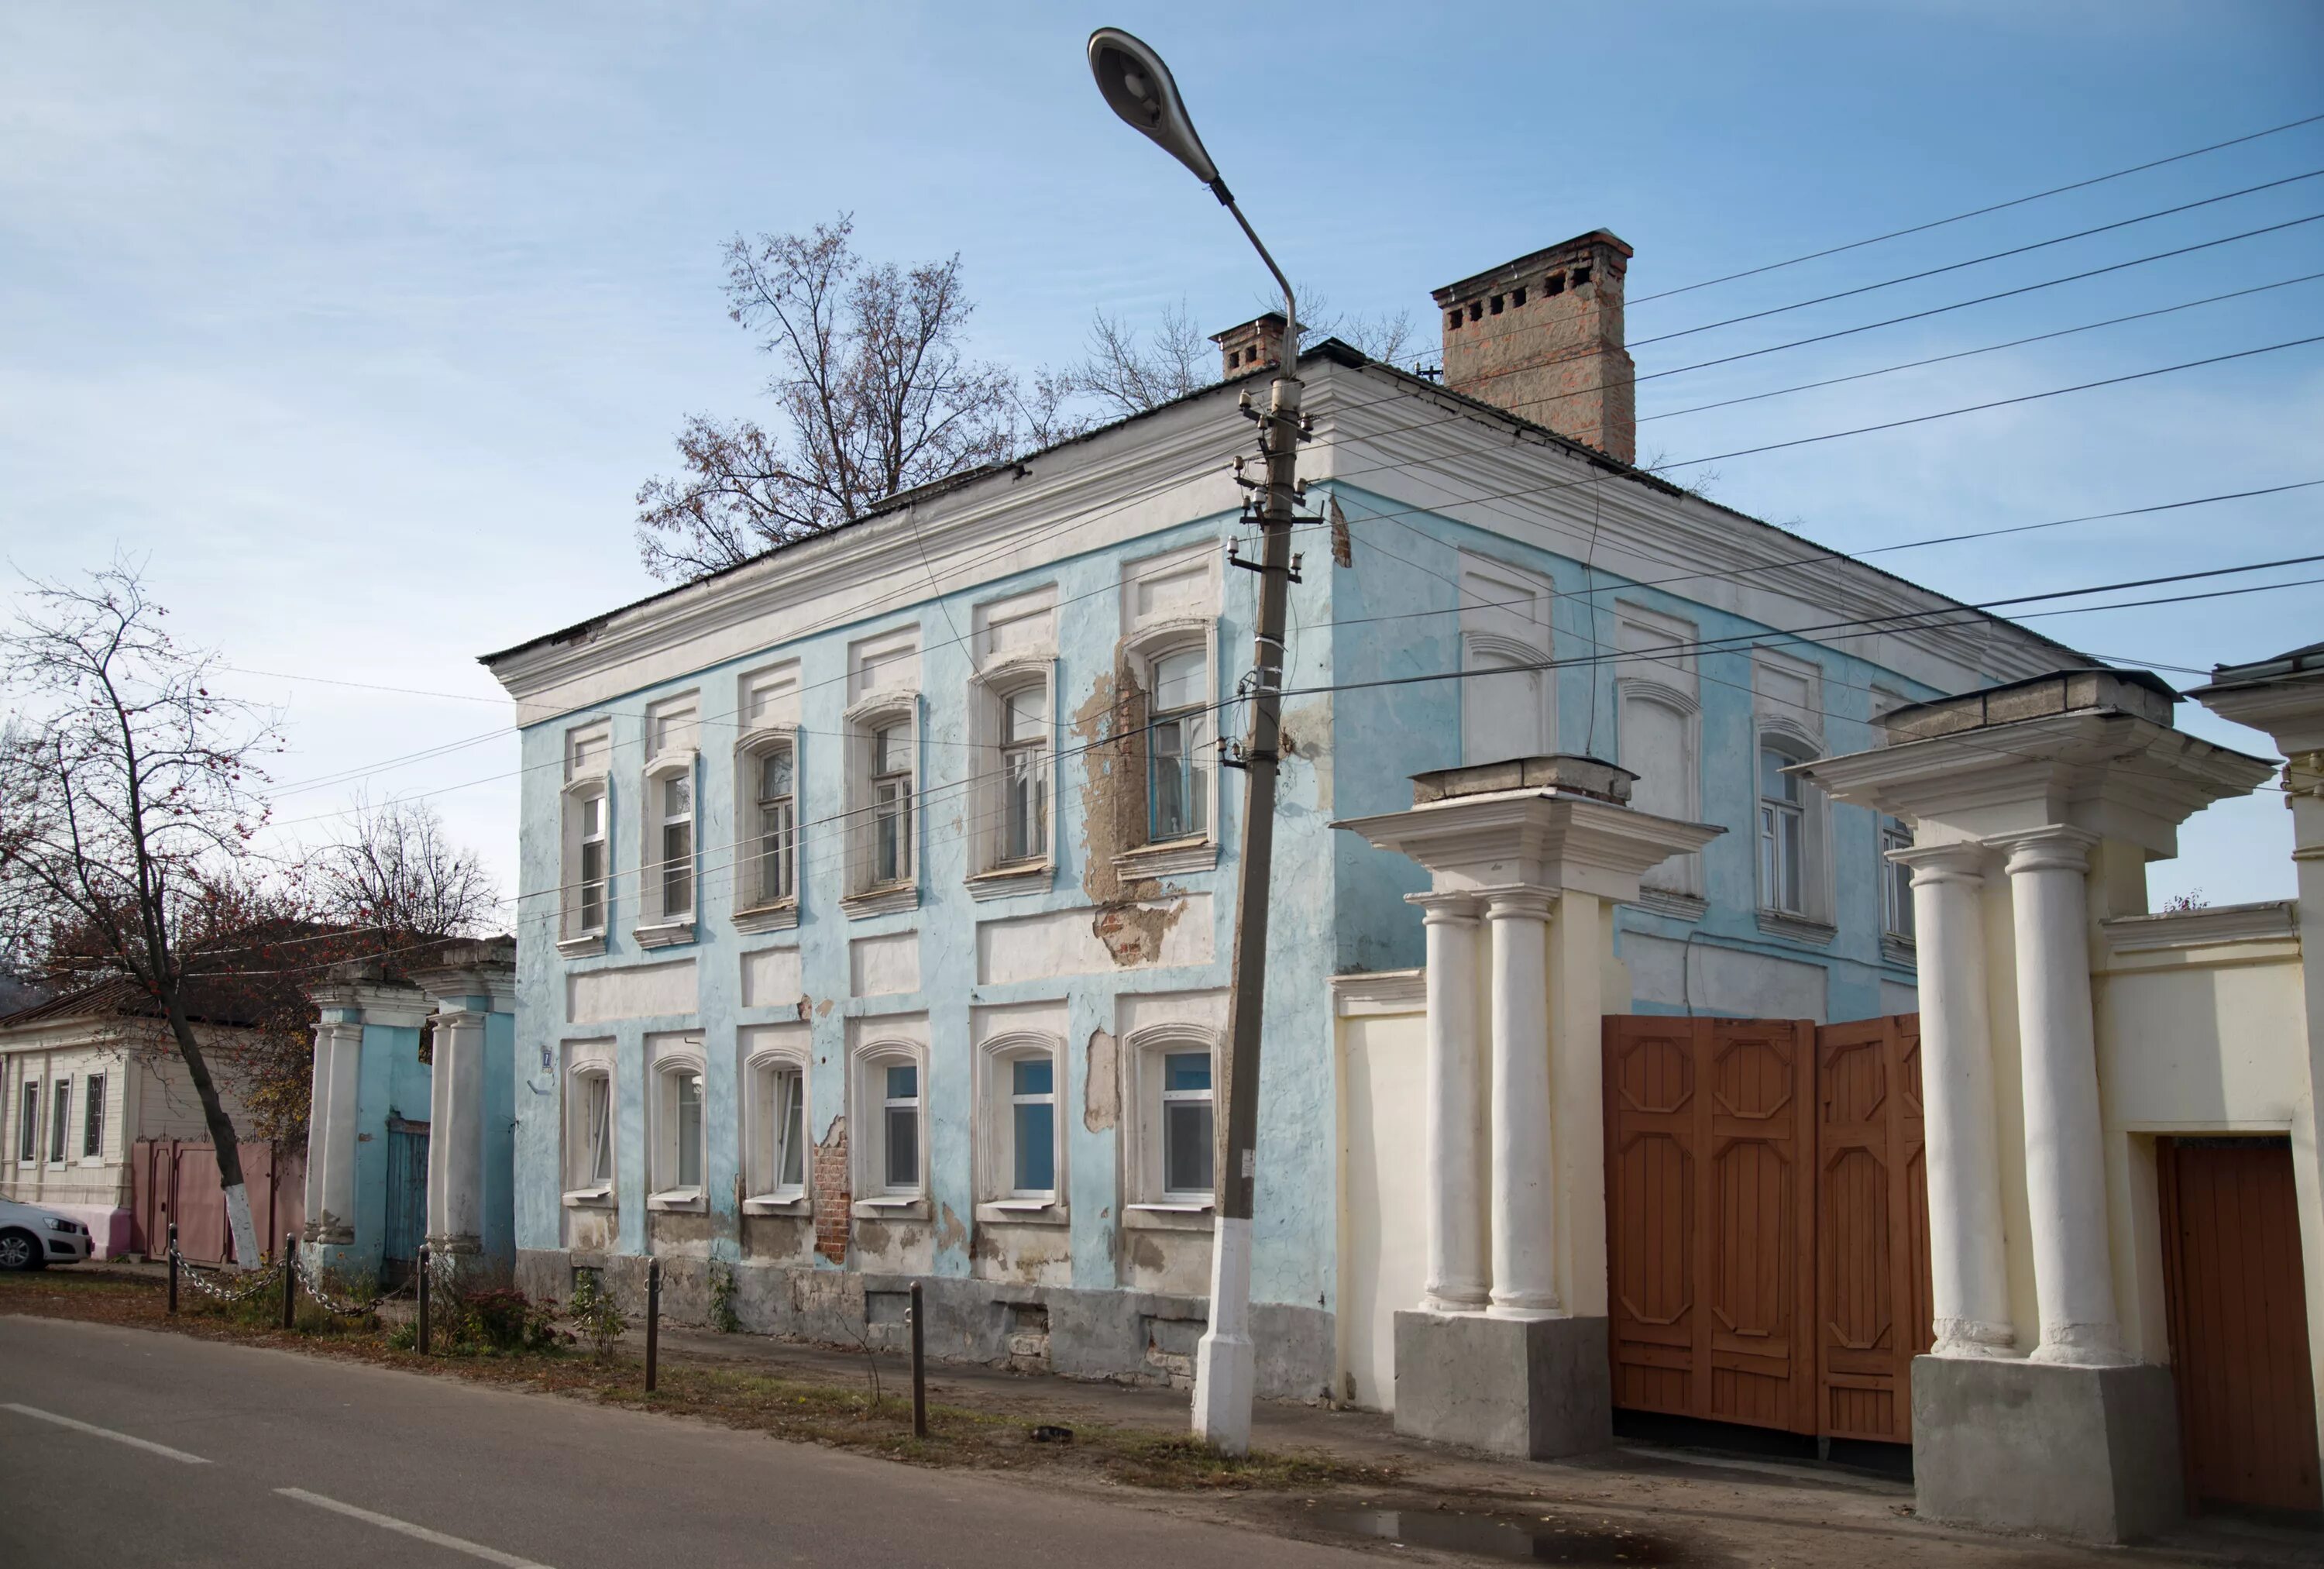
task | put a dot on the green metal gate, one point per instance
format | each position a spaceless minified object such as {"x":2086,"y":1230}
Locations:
{"x":407,"y":1200}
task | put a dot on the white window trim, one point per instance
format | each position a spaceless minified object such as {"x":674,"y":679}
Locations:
{"x":868,"y":1145}
{"x":1898,"y":942}
{"x":575,"y":939}
{"x":752,"y":914}
{"x":28,"y":1120}
{"x":1149,"y":1205}
{"x":993,"y":876}
{"x":863,"y":897}
{"x":56,"y":1136}
{"x":585,"y":1061}
{"x":103,"y":1107}
{"x":1813,"y":922}
{"x":767,"y":1196}
{"x":668,"y":1061}
{"x":1474,"y":644}
{"x":1683,"y":894}
{"x":658,"y":928}
{"x":1155,"y":641}
{"x":998,"y":1201}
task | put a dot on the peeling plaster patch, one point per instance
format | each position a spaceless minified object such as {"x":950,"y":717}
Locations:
{"x":1102,"y":1083}
{"x":1105,"y":774}
{"x":822,"y":1008}
{"x":832,"y":1197}
{"x":950,"y":1233}
{"x":1091,"y":940}
{"x":1133,"y":934}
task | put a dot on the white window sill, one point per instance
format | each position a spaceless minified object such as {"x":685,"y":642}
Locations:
{"x":1899,"y":950}
{"x":892,"y":1207}
{"x":582,"y":946}
{"x":768,"y":918}
{"x":1021,"y":1212}
{"x":1170,"y":858}
{"x":885,"y":900}
{"x":1671,"y":902}
{"x":686,"y":1199}
{"x":776,"y":1204}
{"x":664,"y":934}
{"x":1001,"y":881}
{"x":1192,"y":1215}
{"x":1799,"y":929}
{"x":590,"y":1197}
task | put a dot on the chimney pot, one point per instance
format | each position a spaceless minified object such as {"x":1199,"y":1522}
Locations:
{"x":1253,"y":347}
{"x":1559,"y":362}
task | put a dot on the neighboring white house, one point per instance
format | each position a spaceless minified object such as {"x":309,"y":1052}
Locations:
{"x":85,"y":1077}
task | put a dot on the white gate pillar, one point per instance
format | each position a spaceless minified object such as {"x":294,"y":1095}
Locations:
{"x":1968,"y":1272}
{"x":332,"y":1135}
{"x":456,"y":1135}
{"x":1525,"y":1161}
{"x":1457,"y":1281}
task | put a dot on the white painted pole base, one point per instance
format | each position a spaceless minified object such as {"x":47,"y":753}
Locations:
{"x":1225,"y":1363}
{"x":246,"y":1246}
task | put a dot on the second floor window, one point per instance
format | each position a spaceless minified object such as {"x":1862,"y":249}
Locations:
{"x":591,"y":907}
{"x":1177,"y":786}
{"x":676,"y":846}
{"x":1783,"y":833}
{"x":1895,"y":880}
{"x":778,"y":836}
{"x":1025,"y":774}
{"x":891,"y":803}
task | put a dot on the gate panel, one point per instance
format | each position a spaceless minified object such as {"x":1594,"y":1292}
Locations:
{"x":406,"y":1222}
{"x":1653,"y":1148}
{"x":1873,"y":1312}
{"x":2239,"y":1348}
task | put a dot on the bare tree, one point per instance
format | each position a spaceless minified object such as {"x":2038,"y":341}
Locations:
{"x":874,"y":396}
{"x":1129,"y":372}
{"x":139,"y":793}
{"x":398,"y":876}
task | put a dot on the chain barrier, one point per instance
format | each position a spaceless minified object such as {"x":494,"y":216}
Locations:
{"x":256,"y":1282}
{"x":313,"y":1287}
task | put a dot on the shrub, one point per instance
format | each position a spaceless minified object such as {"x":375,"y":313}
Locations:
{"x":595,"y":1316}
{"x":506,"y":1320}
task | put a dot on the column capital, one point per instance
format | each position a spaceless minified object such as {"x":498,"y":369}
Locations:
{"x":1518,"y":904}
{"x":1961,"y":862}
{"x":1444,"y":909}
{"x":460,"y":1018}
{"x":2056,"y":847}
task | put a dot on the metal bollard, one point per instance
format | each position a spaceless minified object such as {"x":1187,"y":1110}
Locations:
{"x":653,"y":1320}
{"x":173,"y":1266}
{"x":423,"y":1336}
{"x":290,"y":1281}
{"x":919,"y":1369}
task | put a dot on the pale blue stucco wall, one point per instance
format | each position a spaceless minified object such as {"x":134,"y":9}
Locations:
{"x":391,"y":1081}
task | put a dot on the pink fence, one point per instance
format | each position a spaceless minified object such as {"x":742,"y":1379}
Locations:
{"x":178,"y":1181}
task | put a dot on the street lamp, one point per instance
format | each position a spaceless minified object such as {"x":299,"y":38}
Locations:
{"x":1139,"y":88}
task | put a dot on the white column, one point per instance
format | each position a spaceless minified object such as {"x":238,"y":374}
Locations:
{"x":318,"y":1128}
{"x":1456,"y":1108}
{"x":455,"y":1133}
{"x":342,"y":1044}
{"x":2065,"y":1179}
{"x":1968,"y":1275}
{"x":1524,"y":1207}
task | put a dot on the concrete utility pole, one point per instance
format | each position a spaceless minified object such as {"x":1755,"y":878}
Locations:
{"x":1140,"y":88}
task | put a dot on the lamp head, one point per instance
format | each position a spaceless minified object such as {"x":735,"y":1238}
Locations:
{"x":1139,"y":88}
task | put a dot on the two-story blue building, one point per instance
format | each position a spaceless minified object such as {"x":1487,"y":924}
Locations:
{"x":876,"y":893}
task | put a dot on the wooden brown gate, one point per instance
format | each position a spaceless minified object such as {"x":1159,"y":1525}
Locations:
{"x":2239,"y":1321}
{"x":1767,"y":1221}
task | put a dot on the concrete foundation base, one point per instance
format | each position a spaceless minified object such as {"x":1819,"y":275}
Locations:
{"x":2091,"y":1454}
{"x":1536,"y":1389}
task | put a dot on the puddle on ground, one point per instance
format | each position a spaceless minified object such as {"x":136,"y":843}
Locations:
{"x":1552,"y":1540}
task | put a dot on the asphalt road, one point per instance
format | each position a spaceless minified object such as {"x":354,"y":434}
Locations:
{"x":124,"y":1447}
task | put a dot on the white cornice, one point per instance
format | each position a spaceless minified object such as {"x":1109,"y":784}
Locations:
{"x":1542,"y":839}
{"x":2275,"y":920}
{"x":1375,"y":992}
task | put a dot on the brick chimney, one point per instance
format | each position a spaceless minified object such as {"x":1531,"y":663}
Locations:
{"x":1542,"y":337}
{"x":1255,"y":346}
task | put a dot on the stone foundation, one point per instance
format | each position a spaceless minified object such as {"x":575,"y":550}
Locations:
{"x":1536,"y":1389}
{"x":2091,"y":1454}
{"x":1115,"y":1336}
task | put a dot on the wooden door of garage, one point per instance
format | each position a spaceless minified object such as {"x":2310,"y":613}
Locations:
{"x":2236,"y":1303}
{"x":1709,"y":1141}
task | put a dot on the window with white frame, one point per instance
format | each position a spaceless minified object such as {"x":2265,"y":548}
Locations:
{"x":92,"y":1117}
{"x":588,"y":851}
{"x":1169,"y":1159}
{"x":28,"y":1123}
{"x":1178,"y":751}
{"x":775,"y":1157}
{"x":890,"y":1159}
{"x":1023,"y":826}
{"x":1187,"y":1128}
{"x":589,"y":1121}
{"x":1795,"y":872}
{"x":672,"y":728}
{"x":887,"y":799}
{"x":677,"y":1151}
{"x":1020,"y":1139}
{"x":1896,"y":882}
{"x":673,"y":841}
{"x":774,"y":847}
{"x":59,"y":1118}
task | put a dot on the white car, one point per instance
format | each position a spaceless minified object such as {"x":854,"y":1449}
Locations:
{"x":32,"y":1238}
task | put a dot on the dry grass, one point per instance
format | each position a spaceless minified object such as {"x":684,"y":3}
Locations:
{"x":836,"y":1414}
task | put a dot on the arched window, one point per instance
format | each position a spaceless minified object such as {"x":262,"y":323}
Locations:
{"x":1506,"y":709}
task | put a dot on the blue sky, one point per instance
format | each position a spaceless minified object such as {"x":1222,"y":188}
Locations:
{"x":363,"y":325}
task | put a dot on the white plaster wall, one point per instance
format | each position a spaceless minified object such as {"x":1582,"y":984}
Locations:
{"x":1066,"y":942}
{"x":1724,"y":982}
{"x":883,"y":966}
{"x":1383,"y":1196}
{"x":772,"y":978}
{"x":631,"y":991}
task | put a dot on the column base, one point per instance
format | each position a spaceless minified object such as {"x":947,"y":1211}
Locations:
{"x":2089,"y":1453}
{"x":1535,"y":1388}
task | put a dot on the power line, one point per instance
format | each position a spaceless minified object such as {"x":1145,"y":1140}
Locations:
{"x":1979,"y":212}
